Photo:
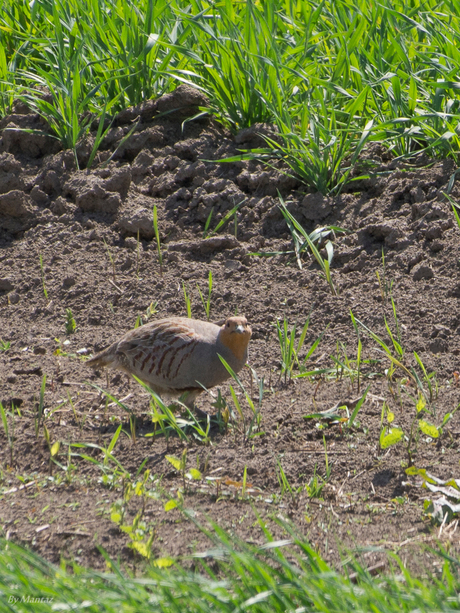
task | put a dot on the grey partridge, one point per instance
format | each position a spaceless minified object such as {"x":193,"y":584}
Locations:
{"x":177,"y":354}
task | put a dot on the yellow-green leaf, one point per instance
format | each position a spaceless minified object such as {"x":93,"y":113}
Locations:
{"x":413,"y":470}
{"x":421,"y":403}
{"x":421,"y":472}
{"x":412,"y":98}
{"x":194,"y":473}
{"x":55,"y":448}
{"x":140,"y":548}
{"x":392,"y":438}
{"x":163,"y":562}
{"x":452,"y":483}
{"x":390,"y":417}
{"x":171,"y":504}
{"x":115,"y":517}
{"x":428,"y":429}
{"x":174,"y":461}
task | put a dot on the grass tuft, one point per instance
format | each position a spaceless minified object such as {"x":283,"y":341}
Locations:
{"x":281,"y":575}
{"x":330,"y":77}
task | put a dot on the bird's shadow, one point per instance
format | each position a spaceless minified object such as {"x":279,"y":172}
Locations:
{"x":173,"y":420}
{"x":173,"y":425}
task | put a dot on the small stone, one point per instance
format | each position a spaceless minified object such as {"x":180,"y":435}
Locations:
{"x":138,"y":220}
{"x":232,"y":265}
{"x":97,"y":199}
{"x":414,"y":260}
{"x":21,"y":108}
{"x":439,"y":345}
{"x":16,"y":204}
{"x":131,"y":243}
{"x":94,"y":235}
{"x":39,"y":350}
{"x":6,"y":285}
{"x":65,"y":219}
{"x":393,"y":238}
{"x":422,"y":271}
{"x":434,"y":231}
{"x":436,"y":246}
{"x":13,"y":298}
{"x":417,"y":194}
{"x":217,"y":243}
{"x":316,"y":207}
{"x":382,"y":230}
{"x":119,"y":181}
{"x":441,"y":331}
{"x":127,"y":264}
{"x":61,"y":207}
{"x":68,"y":282}
{"x":39,"y":196}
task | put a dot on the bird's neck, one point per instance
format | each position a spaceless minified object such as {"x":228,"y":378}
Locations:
{"x":236,"y":343}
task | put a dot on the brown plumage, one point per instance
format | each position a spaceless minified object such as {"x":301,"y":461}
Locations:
{"x":175,"y":355}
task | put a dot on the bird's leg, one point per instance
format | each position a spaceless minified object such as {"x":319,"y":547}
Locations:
{"x":188,"y":399}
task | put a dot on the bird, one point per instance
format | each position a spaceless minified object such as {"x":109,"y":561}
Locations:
{"x":178,"y":355}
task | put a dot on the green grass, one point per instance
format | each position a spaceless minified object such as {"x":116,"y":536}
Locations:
{"x":331,"y":76}
{"x":206,"y":303}
{"x":4,"y":345}
{"x":70,"y":323}
{"x":283,"y":575}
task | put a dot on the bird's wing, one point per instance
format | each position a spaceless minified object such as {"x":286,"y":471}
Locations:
{"x":151,"y":350}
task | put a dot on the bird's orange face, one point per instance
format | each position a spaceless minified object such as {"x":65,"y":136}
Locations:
{"x":235,"y":334}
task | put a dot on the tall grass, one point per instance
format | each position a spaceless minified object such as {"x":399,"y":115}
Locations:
{"x":331,"y":75}
{"x":284,"y":575}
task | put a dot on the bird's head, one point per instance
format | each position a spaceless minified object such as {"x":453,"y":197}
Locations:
{"x":235,"y":334}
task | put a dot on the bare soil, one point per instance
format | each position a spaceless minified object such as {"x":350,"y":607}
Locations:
{"x":73,"y":219}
